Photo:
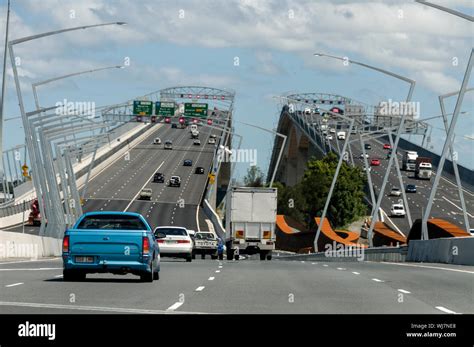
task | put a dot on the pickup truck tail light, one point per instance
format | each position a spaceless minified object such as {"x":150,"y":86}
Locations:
{"x":146,"y":245}
{"x":267,"y":234}
{"x":66,"y":244}
{"x":239,"y":234}
{"x":183,"y":241}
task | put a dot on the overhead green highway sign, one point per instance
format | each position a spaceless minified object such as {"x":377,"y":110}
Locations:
{"x":142,"y":108}
{"x":195,"y":110}
{"x":164,"y":108}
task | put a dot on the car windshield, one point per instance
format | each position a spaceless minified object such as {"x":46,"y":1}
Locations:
{"x":172,"y":231}
{"x":204,"y":236}
{"x":112,"y":222}
{"x":397,"y":208}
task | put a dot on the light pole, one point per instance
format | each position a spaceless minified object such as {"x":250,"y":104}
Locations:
{"x":397,"y":138}
{"x":454,"y":156}
{"x":452,"y":126}
{"x":2,"y":100}
{"x":445,"y":9}
{"x":29,"y":143}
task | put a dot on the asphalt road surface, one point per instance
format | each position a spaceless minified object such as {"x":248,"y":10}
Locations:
{"x":243,"y":286}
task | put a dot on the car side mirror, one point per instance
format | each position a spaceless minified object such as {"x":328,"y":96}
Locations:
{"x":160,"y":235}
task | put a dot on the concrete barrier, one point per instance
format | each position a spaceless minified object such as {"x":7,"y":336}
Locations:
{"x":453,"y":250}
{"x":390,"y":254}
{"x":18,"y":245}
{"x":215,"y":220}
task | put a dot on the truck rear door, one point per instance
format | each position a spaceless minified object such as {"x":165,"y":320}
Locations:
{"x":106,"y":245}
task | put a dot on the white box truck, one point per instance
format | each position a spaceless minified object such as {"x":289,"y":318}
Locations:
{"x":250,"y":222}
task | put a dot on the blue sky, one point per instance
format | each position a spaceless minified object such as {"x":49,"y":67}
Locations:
{"x":171,"y":43}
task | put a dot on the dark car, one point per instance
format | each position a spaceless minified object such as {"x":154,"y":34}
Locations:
{"x":367,"y":146}
{"x":411,"y":188}
{"x":174,"y":126}
{"x":199,"y":170}
{"x":188,"y":162}
{"x":159,"y":177}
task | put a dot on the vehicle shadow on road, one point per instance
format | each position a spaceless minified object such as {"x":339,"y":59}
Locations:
{"x":98,"y":280}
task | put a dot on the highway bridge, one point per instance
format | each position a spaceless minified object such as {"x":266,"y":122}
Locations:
{"x":305,"y":140}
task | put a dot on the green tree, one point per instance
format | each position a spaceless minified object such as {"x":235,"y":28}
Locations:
{"x":347,"y":201}
{"x":254,"y":177}
{"x":291,"y":201}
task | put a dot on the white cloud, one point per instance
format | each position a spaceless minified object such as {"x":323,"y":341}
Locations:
{"x":401,"y":36}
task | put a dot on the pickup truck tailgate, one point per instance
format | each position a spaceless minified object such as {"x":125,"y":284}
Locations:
{"x":110,"y":245}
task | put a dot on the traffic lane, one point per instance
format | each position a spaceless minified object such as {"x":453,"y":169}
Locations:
{"x":97,"y":183}
{"x":446,"y":191}
{"x":178,"y":280}
{"x":185,"y":172}
{"x":105,"y":205}
{"x":446,"y":185}
{"x":449,"y":286}
{"x":131,"y":182}
{"x":283,"y":287}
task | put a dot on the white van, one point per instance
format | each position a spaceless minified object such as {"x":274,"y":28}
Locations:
{"x":341,"y":135}
{"x":193,"y":127}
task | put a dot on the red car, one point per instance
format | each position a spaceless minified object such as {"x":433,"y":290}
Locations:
{"x":375,"y":162}
{"x":167,"y":120}
{"x":387,"y":146}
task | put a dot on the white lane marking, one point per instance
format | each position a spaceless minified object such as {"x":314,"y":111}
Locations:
{"x":175,"y":306}
{"x":325,"y":265}
{"x":38,"y":269}
{"x":200,"y":289}
{"x":58,"y":276}
{"x":148,"y":181}
{"x":459,"y":208}
{"x":341,"y":268}
{"x":356,"y":273}
{"x":14,"y":284}
{"x":218,"y":271}
{"x":376,"y":280}
{"x":404,"y":291}
{"x":445,"y":310}
{"x":28,"y":261}
{"x":429,"y":267}
{"x":211,"y":278}
{"x":314,"y":263}
{"x":302,"y":262}
{"x":88,"y":308}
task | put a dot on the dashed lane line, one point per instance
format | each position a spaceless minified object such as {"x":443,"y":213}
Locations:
{"x":200,"y":289}
{"x":14,"y":285}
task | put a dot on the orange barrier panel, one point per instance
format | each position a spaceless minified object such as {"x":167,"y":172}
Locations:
{"x":385,"y":236}
{"x":329,"y":236}
{"x":437,"y":228}
{"x":293,"y":236}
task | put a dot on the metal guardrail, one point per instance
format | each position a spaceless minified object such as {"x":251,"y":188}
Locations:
{"x":15,"y":209}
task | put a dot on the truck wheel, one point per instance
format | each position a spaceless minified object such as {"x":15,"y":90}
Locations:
{"x":189,"y":258}
{"x":68,"y":275}
{"x":213,"y":257}
{"x":236,"y":257}
{"x":269,"y":257}
{"x":262,"y":255}
{"x":146,"y":276}
{"x":193,"y":256}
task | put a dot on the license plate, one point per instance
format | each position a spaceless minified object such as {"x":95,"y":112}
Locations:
{"x":84,"y":259}
{"x":170,"y":241}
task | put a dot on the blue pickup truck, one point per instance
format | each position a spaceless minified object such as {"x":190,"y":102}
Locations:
{"x":111,"y":242}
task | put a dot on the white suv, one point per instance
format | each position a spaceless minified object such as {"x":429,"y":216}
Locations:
{"x":397,"y":210}
{"x":176,"y":244}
